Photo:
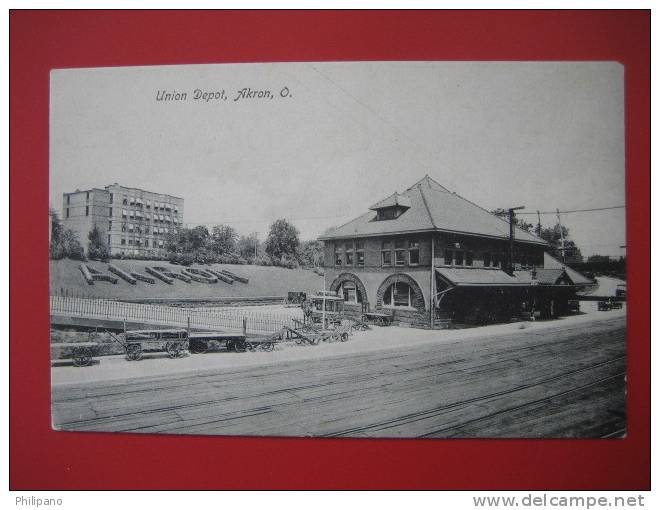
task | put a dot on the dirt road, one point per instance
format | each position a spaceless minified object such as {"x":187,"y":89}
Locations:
{"x":567,"y":381}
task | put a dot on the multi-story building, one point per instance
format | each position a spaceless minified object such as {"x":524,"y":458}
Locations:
{"x":132,"y":221}
{"x":428,"y":251}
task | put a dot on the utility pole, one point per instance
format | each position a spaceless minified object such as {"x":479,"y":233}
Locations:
{"x":512,"y":217}
{"x":561,"y":235}
{"x":538,"y":215}
{"x":256,"y":243}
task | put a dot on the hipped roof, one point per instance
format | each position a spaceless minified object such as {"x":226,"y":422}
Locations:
{"x":431,"y":208}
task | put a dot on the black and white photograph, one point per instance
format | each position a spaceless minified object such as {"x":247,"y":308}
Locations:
{"x":403,"y":249}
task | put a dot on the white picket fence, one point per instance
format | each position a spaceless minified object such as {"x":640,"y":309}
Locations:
{"x":205,"y":318}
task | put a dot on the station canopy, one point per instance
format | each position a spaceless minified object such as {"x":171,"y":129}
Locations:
{"x":474,"y":277}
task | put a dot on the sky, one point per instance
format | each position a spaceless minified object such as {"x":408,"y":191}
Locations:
{"x":337,"y":137}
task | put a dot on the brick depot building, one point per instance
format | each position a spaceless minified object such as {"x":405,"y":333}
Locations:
{"x":428,"y":253}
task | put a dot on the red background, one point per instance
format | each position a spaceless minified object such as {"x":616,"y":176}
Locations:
{"x":43,"y":459}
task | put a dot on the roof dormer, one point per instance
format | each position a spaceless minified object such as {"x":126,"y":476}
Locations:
{"x":391,"y":207}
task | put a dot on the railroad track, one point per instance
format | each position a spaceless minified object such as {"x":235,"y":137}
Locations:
{"x":564,"y":382}
{"x":484,"y":398}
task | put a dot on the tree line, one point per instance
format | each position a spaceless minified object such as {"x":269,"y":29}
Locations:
{"x":184,"y":245}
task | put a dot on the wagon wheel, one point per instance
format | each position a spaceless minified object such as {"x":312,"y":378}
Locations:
{"x":240,"y":345}
{"x":134,"y":352}
{"x":82,"y":356}
{"x":173,"y":349}
{"x":268,"y":346}
{"x":343,"y":337}
{"x":314,"y":340}
{"x":199,"y":347}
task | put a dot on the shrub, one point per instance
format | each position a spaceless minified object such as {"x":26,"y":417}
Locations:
{"x":96,"y":247}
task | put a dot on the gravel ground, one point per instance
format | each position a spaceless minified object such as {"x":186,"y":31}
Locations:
{"x":116,"y":367}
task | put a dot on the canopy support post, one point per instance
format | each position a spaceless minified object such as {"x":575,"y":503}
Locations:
{"x":432,"y":289}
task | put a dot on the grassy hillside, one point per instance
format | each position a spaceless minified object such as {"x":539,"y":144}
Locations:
{"x":264,"y":281}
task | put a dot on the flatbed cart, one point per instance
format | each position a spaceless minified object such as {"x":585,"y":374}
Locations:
{"x":237,"y":342}
{"x":377,"y":318}
{"x":315,"y":337}
{"x":81,"y":353}
{"x":137,"y":342}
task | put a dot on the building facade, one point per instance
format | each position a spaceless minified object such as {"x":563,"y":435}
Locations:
{"x":132,"y":221}
{"x":427,"y":253}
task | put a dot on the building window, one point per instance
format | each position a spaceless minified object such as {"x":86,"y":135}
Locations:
{"x":86,"y":210}
{"x":109,"y":225}
{"x":338,"y":256}
{"x":123,"y":213}
{"x":413,"y":252}
{"x":349,"y":253}
{"x":110,"y":211}
{"x":125,"y":200}
{"x":130,"y":242}
{"x":359,"y":253}
{"x":350,"y":293}
{"x":486,"y":259}
{"x":87,"y":195}
{"x":399,"y":252}
{"x":68,"y":200}
{"x":123,"y":241}
{"x":398,"y":294}
{"x":108,"y":240}
{"x":67,"y":212}
{"x":449,"y":257}
{"x":146,"y":243}
{"x":496,"y":260}
{"x":386,"y":253}
{"x":469,"y":258}
{"x":458,"y":257}
{"x":111,"y":197}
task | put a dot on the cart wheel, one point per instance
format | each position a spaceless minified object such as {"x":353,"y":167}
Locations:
{"x":173,"y":349}
{"x":198,"y":347}
{"x":134,"y":352}
{"x":231,"y":345}
{"x":268,"y":346}
{"x":82,"y":356}
{"x":344,"y":337}
{"x":240,"y":346}
{"x":315,"y":340}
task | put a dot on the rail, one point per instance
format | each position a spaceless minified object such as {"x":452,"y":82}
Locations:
{"x":204,"y":318}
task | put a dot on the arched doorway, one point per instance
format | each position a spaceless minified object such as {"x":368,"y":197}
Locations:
{"x":349,"y":286}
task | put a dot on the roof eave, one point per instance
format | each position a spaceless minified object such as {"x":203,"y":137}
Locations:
{"x":540,"y":242}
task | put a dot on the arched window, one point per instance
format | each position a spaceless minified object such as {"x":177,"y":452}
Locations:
{"x":350,"y":292}
{"x":398,"y":294}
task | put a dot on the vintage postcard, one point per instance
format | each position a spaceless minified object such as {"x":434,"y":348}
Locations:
{"x":345,"y":249}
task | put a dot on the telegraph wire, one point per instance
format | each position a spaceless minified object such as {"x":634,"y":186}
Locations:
{"x":339,"y":216}
{"x":574,"y":210}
